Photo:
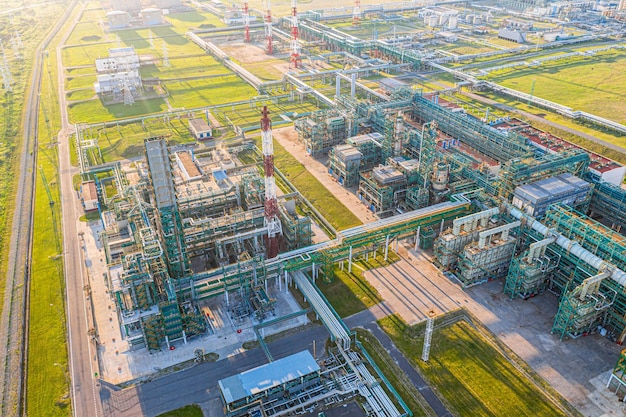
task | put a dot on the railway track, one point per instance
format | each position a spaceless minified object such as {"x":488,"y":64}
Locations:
{"x":15,"y":310}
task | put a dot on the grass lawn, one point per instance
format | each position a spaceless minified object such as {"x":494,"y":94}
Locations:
{"x":92,"y":111}
{"x":47,"y":393}
{"x":350,"y":293}
{"x":198,"y":93}
{"x":474,"y":378}
{"x":594,"y":84}
{"x":187,"y":411}
{"x":81,"y":81}
{"x":324,"y":201}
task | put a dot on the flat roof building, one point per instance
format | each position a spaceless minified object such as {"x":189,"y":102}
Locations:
{"x":200,"y":129}
{"x":566,"y":188}
{"x":89,"y":196}
{"x":276,"y":379}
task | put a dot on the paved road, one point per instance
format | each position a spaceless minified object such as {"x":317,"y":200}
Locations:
{"x":82,"y":352}
{"x":15,"y":310}
{"x":199,"y":384}
{"x":367,"y":320}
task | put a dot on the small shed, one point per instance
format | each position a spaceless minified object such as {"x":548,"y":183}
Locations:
{"x":200,"y":129}
{"x":89,"y":196}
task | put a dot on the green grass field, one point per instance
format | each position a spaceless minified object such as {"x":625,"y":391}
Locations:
{"x":595,"y":84}
{"x":350,"y":293}
{"x":473,"y":377}
{"x":324,"y":201}
{"x":47,"y":392}
{"x":187,"y":411}
{"x":95,"y":111}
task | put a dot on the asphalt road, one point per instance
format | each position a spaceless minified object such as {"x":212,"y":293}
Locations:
{"x":367,"y":320}
{"x":82,"y":352}
{"x":199,"y":384}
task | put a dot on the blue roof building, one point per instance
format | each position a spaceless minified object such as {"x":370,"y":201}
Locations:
{"x":280,"y":378}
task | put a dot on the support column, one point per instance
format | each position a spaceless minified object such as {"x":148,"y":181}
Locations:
{"x":441,"y":227}
{"x":386,"y":248}
{"x":353,"y":85}
{"x":417,"y":238}
{"x":286,"y":282}
{"x":338,"y":87}
{"x":226,"y":297}
{"x":313,"y":274}
{"x":350,"y":261}
{"x":184,"y":337}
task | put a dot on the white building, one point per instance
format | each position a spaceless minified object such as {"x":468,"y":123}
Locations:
{"x":200,"y":129}
{"x":89,"y":196}
{"x":114,"y":83}
{"x":119,"y":59}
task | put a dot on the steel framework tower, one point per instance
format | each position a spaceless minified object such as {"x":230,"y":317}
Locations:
{"x":295,"y":60}
{"x":268,"y":28}
{"x":356,"y":13}
{"x":272,"y":222}
{"x":245,"y":15}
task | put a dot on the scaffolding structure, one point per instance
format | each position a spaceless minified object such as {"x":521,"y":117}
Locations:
{"x":529,"y":272}
{"x":520,"y":171}
{"x":382,"y":188}
{"x":369,"y":145}
{"x":344,"y":164}
{"x":188,"y":209}
{"x":169,"y":225}
{"x":480,"y":136}
{"x":619,"y":373}
{"x":450,"y":244}
{"x":609,"y":201}
{"x":321,"y":131}
{"x":489,"y":257}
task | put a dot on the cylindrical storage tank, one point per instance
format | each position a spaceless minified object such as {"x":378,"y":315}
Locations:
{"x":433,"y":20}
{"x":441,"y":177}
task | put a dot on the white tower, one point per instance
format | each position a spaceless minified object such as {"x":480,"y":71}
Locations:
{"x":268,"y":28}
{"x":295,"y":61}
{"x":272,"y":222}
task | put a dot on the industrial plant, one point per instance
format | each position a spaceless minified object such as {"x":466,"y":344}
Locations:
{"x":202,"y":237}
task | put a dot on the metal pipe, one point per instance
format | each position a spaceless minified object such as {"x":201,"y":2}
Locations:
{"x":486,"y":214}
{"x":574,"y":248}
{"x":537,"y":249}
{"x":504,"y":229}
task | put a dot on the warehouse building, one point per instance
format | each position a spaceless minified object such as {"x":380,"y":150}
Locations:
{"x":278,"y":379}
